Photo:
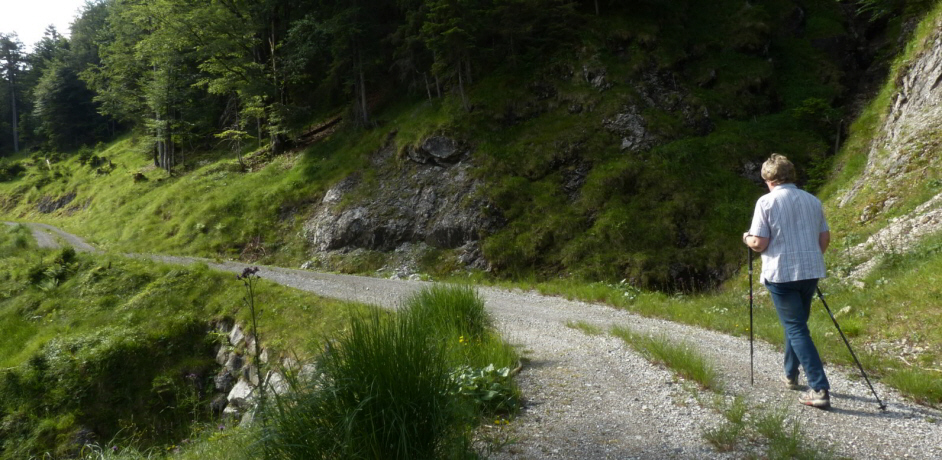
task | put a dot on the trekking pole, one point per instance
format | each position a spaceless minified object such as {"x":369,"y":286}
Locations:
{"x":752,"y":380}
{"x":821,"y":296}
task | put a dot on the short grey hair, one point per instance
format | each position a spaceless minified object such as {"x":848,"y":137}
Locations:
{"x":778,"y":170}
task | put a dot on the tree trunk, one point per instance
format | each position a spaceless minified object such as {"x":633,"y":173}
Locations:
{"x":15,"y":123}
{"x":428,"y":87}
{"x":464,"y":98}
{"x":363,"y":107}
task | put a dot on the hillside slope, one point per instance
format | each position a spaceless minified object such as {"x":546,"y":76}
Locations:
{"x":630,"y":152}
{"x":894,"y":204}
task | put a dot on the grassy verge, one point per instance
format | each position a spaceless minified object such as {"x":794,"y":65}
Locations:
{"x":586,"y":328}
{"x":681,"y":358}
{"x":101,"y":349}
{"x":412,"y":384}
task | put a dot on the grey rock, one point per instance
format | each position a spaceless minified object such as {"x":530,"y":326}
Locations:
{"x":234,"y":364}
{"x":223,"y":326}
{"x":427,"y":201}
{"x":630,"y":125}
{"x":222,"y":355}
{"x":241,"y":394}
{"x":900,"y":144}
{"x":236,"y":336}
{"x":250,"y":373}
{"x":224,"y":381}
{"x":276,"y":383}
{"x":218,"y":404}
{"x":48,"y":204}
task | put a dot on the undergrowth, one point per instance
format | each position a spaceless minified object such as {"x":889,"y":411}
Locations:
{"x":763,"y":433}
{"x":100,"y":348}
{"x":411,"y":384}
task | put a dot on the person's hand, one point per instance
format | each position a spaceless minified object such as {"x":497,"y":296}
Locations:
{"x":744,"y":235}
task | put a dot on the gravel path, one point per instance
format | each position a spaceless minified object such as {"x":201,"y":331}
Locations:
{"x":592,"y":397}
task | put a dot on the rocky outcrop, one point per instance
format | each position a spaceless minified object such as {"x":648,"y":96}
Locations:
{"x":48,"y":204}
{"x":432,"y":198}
{"x":656,"y":91}
{"x":236,"y":382}
{"x":906,"y":148}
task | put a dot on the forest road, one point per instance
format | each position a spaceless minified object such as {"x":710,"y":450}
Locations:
{"x":592,"y":397}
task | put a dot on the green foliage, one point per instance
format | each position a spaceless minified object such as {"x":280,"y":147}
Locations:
{"x":729,"y":435}
{"x":749,"y":428}
{"x":881,"y":9}
{"x":923,"y":385}
{"x":394,"y":387}
{"x":491,"y":389}
{"x":9,"y":170}
{"x":585,"y":327}
{"x":119,"y":350}
{"x":383,"y":394}
{"x":451,"y":310}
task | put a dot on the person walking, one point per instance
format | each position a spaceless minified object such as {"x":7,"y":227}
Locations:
{"x":790,"y":231}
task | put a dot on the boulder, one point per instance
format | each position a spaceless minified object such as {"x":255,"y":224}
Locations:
{"x":224,"y":381}
{"x":236,"y":336}
{"x":436,"y":149}
{"x":241,"y":395}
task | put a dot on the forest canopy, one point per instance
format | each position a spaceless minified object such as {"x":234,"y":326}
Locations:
{"x":189,"y":72}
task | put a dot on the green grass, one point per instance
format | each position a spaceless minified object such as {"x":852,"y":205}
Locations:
{"x":682,"y":358}
{"x":207,"y":442}
{"x":760,"y":432}
{"x":122,"y":347}
{"x":586,"y":328}
{"x":400,"y":385}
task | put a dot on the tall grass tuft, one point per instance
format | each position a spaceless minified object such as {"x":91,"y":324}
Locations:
{"x":387,"y":388}
{"x":924,"y":386}
{"x":382,"y":392}
{"x":682,"y":358}
{"x":450,"y":310}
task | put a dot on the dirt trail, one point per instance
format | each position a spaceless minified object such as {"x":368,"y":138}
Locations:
{"x":591,"y":397}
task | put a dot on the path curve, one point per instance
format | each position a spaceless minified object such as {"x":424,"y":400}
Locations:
{"x":591,"y":397}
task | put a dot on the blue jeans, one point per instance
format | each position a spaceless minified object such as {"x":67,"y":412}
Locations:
{"x":793,"y":303}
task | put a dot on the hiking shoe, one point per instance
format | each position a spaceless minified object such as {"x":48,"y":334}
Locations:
{"x":791,"y":382}
{"x":815,"y":398}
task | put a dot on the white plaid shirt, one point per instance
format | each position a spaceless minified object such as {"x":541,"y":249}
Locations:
{"x":792,"y":220}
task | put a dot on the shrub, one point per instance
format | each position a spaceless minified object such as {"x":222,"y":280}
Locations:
{"x":450,"y":310}
{"x":406,"y":385}
{"x":10,"y":169}
{"x":382,"y":393}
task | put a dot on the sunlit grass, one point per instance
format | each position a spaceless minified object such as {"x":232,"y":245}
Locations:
{"x":585,"y":327}
{"x":74,"y":325}
{"x":761,"y":432}
{"x":680,"y":357}
{"x":400,"y":385}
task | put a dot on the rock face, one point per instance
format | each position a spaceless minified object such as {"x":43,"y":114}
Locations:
{"x":907,"y":146}
{"x":655,"y":90}
{"x":49,"y":204}
{"x":430,"y":199}
{"x":236,"y":383}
